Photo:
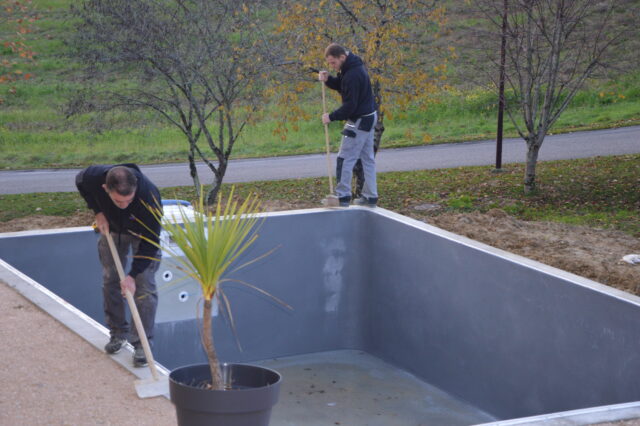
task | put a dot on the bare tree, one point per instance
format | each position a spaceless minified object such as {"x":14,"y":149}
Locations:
{"x":195,"y":62}
{"x":553,"y":47}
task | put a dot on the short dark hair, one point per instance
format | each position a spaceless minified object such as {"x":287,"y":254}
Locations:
{"x":335,"y":50}
{"x":122,"y":180}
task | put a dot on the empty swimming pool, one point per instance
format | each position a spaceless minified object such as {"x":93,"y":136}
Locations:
{"x":394,"y":321}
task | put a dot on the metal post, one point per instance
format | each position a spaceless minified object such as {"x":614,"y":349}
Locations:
{"x":503,"y":48}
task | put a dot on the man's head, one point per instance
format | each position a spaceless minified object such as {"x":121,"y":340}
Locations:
{"x":335,"y":56}
{"x":121,"y":184}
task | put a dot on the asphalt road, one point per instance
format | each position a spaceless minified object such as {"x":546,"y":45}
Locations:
{"x":625,"y":140}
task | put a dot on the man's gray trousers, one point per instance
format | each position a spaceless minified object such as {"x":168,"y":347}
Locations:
{"x":356,"y":144}
{"x":146,"y":295}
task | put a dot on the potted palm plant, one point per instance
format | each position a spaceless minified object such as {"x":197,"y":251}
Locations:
{"x":207,"y":245}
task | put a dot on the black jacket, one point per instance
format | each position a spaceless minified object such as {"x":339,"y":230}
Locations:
{"x":89,"y":183}
{"x":354,"y":86}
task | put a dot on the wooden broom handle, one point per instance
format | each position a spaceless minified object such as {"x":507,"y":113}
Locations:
{"x":134,"y":310}
{"x":326,"y":138}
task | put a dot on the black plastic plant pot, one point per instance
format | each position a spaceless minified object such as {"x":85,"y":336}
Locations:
{"x":253,"y":392}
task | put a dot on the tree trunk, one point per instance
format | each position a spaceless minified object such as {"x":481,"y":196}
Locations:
{"x":379,"y":130}
{"x":193,"y":171}
{"x":533,"y":147}
{"x":212,"y":195}
{"x":207,"y":340}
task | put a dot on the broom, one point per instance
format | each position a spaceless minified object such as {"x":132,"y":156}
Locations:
{"x":157,"y":385}
{"x":331,"y":200}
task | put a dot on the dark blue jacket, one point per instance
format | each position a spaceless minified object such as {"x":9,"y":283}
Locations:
{"x":354,"y":86}
{"x":89,"y":183}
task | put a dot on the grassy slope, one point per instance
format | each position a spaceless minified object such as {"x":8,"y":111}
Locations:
{"x":35,"y":133}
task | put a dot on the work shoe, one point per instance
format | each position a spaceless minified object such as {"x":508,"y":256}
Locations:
{"x":364,"y":201}
{"x":139,"y":358}
{"x":115,"y":344}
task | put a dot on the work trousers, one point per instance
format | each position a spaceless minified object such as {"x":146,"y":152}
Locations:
{"x":146,"y":295}
{"x":356,"y":145}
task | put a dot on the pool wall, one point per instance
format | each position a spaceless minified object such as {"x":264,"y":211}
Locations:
{"x":508,"y":334}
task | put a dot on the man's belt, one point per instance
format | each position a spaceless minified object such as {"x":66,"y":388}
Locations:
{"x":362,"y":116}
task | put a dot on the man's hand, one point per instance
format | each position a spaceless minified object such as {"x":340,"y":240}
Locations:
{"x":323,"y":75}
{"x":102,"y":223}
{"x":128,"y":284}
{"x":326,"y":119}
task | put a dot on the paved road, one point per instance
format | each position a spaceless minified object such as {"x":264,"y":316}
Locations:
{"x":619,"y":141}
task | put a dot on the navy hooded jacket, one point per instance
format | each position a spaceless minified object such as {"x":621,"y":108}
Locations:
{"x":89,"y":183}
{"x":354,"y":85}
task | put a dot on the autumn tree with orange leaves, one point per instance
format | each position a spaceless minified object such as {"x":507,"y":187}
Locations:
{"x":19,"y":17}
{"x":393,"y":37}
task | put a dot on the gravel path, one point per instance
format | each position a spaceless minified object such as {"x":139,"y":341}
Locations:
{"x":51,"y":376}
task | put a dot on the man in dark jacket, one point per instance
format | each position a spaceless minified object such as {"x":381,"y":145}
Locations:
{"x":359,"y":110}
{"x":117,"y":195}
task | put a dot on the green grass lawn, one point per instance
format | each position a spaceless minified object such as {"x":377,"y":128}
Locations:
{"x":39,"y":136}
{"x":597,"y":192}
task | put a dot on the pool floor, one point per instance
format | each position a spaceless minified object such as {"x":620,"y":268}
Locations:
{"x":350,"y":387}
